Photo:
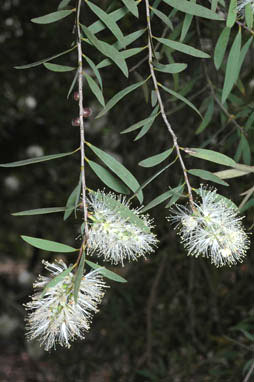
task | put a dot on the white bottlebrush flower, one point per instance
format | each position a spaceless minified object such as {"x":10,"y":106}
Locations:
{"x":118,"y":232}
{"x":212,"y":230}
{"x":242,"y":3}
{"x":55,"y":317}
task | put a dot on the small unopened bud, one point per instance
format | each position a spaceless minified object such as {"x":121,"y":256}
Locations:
{"x":75,"y":122}
{"x":76,"y":96}
{"x":87,"y":112}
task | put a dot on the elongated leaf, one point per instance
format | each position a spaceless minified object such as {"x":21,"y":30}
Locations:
{"x":71,"y":203}
{"x":207,"y":117}
{"x":249,"y":15}
{"x":221,"y":47}
{"x":212,"y":156}
{"x":106,"y":272}
{"x":94,"y":69}
{"x":58,"y":68}
{"x":39,"y":211}
{"x":243,"y":53}
{"x":63,"y":4}
{"x":232,"y":13}
{"x":108,"y":51}
{"x":214,"y":5}
{"x":186,"y":24}
{"x":182,"y":48}
{"x":116,"y":15}
{"x":95,"y":89}
{"x":107,"y":178}
{"x":171,"y":68}
{"x":117,"y":97}
{"x":73,"y":82}
{"x":163,"y":17}
{"x":116,"y":167}
{"x":56,"y":280}
{"x":229,"y":174}
{"x":207,"y":175}
{"x":132,"y":6}
{"x":160,"y":199}
{"x":148,"y":125}
{"x":232,"y":67}
{"x":79,"y":276}
{"x":25,"y":162}
{"x":193,"y":9}
{"x":37,"y":63}
{"x":156,"y":159}
{"x":130,"y":38}
{"x":48,"y":245}
{"x":108,"y":21}
{"x":182,"y":98}
{"x":125,"y":53}
{"x":139,"y":124}
{"x":176,"y":196}
{"x":52,"y":17}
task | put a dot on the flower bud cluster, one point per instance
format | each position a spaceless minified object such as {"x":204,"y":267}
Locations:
{"x":118,"y":232}
{"x":56,"y":317}
{"x":213,"y":229}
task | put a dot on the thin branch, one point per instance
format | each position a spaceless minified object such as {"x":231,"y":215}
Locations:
{"x":155,"y":82}
{"x":81,"y":119}
{"x":246,"y":379}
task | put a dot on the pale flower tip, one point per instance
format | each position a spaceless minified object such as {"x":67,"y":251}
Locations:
{"x":56,"y":318}
{"x":213,"y":230}
{"x":117,"y":232}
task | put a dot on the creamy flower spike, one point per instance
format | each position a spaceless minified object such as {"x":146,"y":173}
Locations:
{"x":213,"y":230}
{"x":55,"y":317}
{"x":242,"y":4}
{"x":118,"y":232}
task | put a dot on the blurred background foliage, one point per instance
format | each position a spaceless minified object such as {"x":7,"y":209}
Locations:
{"x":177,"y":319}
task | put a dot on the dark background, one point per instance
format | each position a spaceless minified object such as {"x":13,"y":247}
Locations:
{"x":177,"y":318}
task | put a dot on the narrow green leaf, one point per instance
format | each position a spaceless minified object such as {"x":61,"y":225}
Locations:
{"x":95,"y":89}
{"x":182,"y":48}
{"x":232,"y":13}
{"x":160,"y":199}
{"x":221,"y":47}
{"x":249,"y":12}
{"x":181,"y":98}
{"x":229,"y":174}
{"x":56,"y":280}
{"x":72,"y":201}
{"x":163,"y":17}
{"x":193,"y":9}
{"x":139,"y":124}
{"x":108,"y":51}
{"x":132,"y":6}
{"x":156,"y":159}
{"x":117,"y":168}
{"x":116,"y":15}
{"x":207,"y":175}
{"x":232,"y":67}
{"x":148,"y":125}
{"x":207,"y":117}
{"x":117,"y":97}
{"x":58,"y":68}
{"x":212,"y":156}
{"x":243,"y":53}
{"x":79,"y":276}
{"x":246,"y":150}
{"x":52,"y":17}
{"x":186,"y":24}
{"x":176,"y":196}
{"x":39,"y":211}
{"x":48,"y":245}
{"x":37,"y":63}
{"x":73,"y":82}
{"x":94,"y":69}
{"x":107,"y":178}
{"x":36,"y":160}
{"x":130,"y":38}
{"x":108,"y":21}
{"x":214,"y":5}
{"x":125,"y":53}
{"x":63,"y":4}
{"x":106,"y":272}
{"x":171,"y":68}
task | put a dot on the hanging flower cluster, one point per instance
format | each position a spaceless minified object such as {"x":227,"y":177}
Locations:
{"x":118,"y":232}
{"x":213,"y":229}
{"x":56,"y":317}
